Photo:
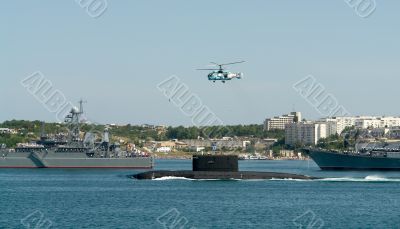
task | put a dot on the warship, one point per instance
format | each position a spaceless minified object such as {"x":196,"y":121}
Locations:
{"x":74,"y":152}
{"x":368,"y":156}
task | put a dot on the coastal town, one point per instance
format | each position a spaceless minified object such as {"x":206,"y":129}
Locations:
{"x":278,"y":138}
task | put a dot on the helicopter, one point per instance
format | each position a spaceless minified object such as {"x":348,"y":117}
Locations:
{"x":220,"y":73}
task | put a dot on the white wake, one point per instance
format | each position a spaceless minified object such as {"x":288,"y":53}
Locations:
{"x":370,"y":178}
{"x":171,"y":178}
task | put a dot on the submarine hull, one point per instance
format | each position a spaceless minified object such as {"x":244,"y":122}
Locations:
{"x":216,"y":175}
{"x":217,"y":167}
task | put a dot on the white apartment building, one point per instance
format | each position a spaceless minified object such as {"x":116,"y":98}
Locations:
{"x":336,"y":125}
{"x":279,"y":123}
{"x":361,"y":122}
{"x":307,"y":133}
{"x":377,"y":122}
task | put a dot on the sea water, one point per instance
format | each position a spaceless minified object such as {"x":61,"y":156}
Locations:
{"x":71,"y":198}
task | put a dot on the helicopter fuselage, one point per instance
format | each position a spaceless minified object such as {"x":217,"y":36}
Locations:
{"x":223,"y":76}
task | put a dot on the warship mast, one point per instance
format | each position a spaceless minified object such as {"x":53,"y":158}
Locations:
{"x":73,"y":123}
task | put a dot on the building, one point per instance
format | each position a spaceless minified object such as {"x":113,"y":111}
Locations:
{"x":246,"y":143}
{"x":377,"y":122}
{"x":360,"y":122}
{"x":171,"y":145}
{"x":307,"y":133}
{"x":197,"y":149}
{"x":278,"y":123}
{"x":394,"y":133}
{"x":163,"y":149}
{"x":336,"y":125}
{"x":286,"y":153}
{"x":331,"y":127}
{"x":379,"y":132}
{"x":7,"y":131}
{"x":220,"y":143}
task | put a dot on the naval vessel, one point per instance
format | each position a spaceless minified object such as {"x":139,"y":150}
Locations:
{"x":370,"y":156}
{"x":218,"y":167}
{"x":75,"y":152}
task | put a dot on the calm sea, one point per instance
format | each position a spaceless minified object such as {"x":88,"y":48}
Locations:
{"x":52,"y":198}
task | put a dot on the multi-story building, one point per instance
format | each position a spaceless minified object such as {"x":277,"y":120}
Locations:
{"x":377,"y":122}
{"x":278,"y":123}
{"x":226,"y":143}
{"x":361,"y":122}
{"x":336,"y":125}
{"x":307,"y":133}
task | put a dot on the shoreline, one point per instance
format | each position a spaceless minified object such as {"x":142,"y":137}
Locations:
{"x":190,"y":158}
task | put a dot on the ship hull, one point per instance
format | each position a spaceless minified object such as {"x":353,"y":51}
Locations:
{"x":137,"y":163}
{"x":53,"y":160}
{"x":327,"y":160}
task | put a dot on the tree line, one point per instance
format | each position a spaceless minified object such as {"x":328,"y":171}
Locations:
{"x":29,"y":130}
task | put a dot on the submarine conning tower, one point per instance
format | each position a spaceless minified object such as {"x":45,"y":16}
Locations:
{"x":216,"y":163}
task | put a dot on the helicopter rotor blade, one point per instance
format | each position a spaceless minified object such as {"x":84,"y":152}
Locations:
{"x":238,"y":62}
{"x":208,"y":69}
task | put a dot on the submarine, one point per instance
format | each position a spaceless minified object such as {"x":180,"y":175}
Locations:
{"x":218,"y":167}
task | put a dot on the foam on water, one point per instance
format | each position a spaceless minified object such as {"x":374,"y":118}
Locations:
{"x":288,"y":179}
{"x":370,"y":178}
{"x":171,"y":178}
{"x":166,"y":178}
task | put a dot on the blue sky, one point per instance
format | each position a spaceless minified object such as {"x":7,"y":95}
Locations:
{"x":116,"y":61}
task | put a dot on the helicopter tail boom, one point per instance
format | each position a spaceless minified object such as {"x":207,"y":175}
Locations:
{"x":232,"y":75}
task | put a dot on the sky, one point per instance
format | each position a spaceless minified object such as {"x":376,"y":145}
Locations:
{"x":115,"y":61}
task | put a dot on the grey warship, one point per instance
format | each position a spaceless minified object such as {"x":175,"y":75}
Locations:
{"x":371,"y":156}
{"x":75,"y":152}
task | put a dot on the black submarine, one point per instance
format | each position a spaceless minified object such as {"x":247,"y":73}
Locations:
{"x":218,"y":167}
